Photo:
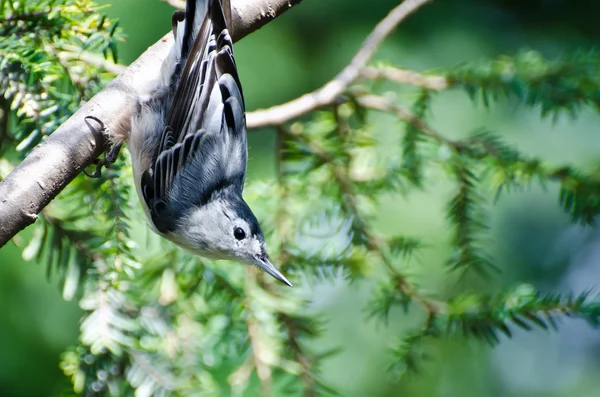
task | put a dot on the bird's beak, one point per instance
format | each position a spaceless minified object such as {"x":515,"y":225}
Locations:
{"x":269,"y":268}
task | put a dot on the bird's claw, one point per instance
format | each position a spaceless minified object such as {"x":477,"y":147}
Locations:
{"x":110,"y":157}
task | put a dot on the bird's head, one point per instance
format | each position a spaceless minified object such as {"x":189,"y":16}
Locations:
{"x":226,"y":228}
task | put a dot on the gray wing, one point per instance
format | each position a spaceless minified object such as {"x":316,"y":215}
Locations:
{"x":203,"y":145}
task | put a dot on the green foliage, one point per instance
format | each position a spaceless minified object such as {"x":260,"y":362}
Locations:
{"x":387,"y":296}
{"x":485,"y":317}
{"x":579,"y":194}
{"x":564,"y":84}
{"x":463,"y":214}
{"x":160,"y":321}
{"x":408,"y":353}
{"x":43,"y":74}
{"x":412,"y":159}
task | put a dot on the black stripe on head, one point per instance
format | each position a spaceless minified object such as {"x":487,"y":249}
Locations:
{"x":244,"y":212}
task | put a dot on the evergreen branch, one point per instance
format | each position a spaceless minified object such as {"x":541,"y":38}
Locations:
{"x":143,"y":375}
{"x":73,"y":146}
{"x":258,"y":350}
{"x":563,"y":84}
{"x":263,"y":369}
{"x":65,"y":247}
{"x":93,"y":374}
{"x":404,"y":246}
{"x":79,"y":82}
{"x":376,"y":102}
{"x":37,"y":83}
{"x":578,"y":194}
{"x":386,"y":295}
{"x":412,"y":160}
{"x":69,"y":53}
{"x":372,"y":242}
{"x":329,"y":93}
{"x":35,"y":15}
{"x":76,"y":238}
{"x":74,"y":251}
{"x":407,"y":354}
{"x":5,"y":138}
{"x":485,"y":317}
{"x":106,"y":327}
{"x":310,"y":382}
{"x":110,"y":324}
{"x":463,"y":213}
{"x":294,"y":327}
{"x":410,"y":350}
{"x":46,"y":18}
{"x":285,"y":229}
{"x":283,"y":218}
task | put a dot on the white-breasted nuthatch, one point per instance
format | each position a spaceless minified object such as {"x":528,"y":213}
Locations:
{"x":188,"y":144}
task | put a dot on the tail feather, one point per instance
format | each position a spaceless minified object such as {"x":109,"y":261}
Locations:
{"x":196,"y":13}
{"x":226,"y":6}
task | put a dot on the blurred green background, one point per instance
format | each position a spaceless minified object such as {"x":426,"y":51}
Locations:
{"x":531,"y":239}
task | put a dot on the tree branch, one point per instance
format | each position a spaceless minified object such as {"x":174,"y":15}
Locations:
{"x":436,"y":83}
{"x":179,"y":4}
{"x":264,"y":11}
{"x":73,"y":146}
{"x":327,"y":94}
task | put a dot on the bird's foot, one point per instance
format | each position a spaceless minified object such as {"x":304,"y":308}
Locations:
{"x":111,"y":155}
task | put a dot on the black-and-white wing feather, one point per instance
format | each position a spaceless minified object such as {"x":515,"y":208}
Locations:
{"x":203,"y":146}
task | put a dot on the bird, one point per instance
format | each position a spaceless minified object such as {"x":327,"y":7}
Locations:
{"x":188,"y":144}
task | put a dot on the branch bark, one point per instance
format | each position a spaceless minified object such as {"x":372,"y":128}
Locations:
{"x":179,"y":4}
{"x":434,"y":83}
{"x":73,"y":146}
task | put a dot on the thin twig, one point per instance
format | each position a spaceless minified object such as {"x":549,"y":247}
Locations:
{"x":403,"y":76}
{"x":377,"y":102}
{"x":329,"y":92}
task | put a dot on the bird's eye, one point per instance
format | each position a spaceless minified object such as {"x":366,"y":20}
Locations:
{"x":239,"y":233}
